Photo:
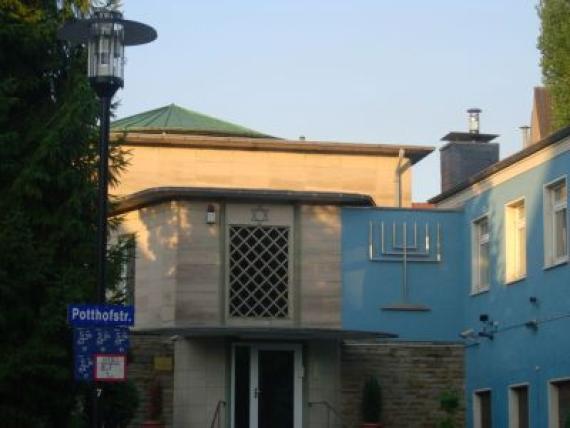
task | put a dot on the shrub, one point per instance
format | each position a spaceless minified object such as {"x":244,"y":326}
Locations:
{"x":371,"y":401}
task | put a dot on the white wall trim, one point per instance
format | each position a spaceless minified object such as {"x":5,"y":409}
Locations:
{"x":475,"y":286}
{"x":298,"y":373}
{"x":477,"y":406}
{"x":553,"y":404}
{"x":509,"y":239}
{"x":513,"y":404}
{"x":548,"y":226}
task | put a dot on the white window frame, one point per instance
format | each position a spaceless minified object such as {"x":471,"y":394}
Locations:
{"x":477,"y":423}
{"x":549,"y":216}
{"x":553,"y":401}
{"x":298,"y":374}
{"x":513,"y":248}
{"x":477,"y":240}
{"x":127,"y":281}
{"x":514,"y":404}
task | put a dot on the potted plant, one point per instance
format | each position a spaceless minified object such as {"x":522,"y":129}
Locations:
{"x":449,"y":403}
{"x":371,"y":404}
{"x":154,"y":407}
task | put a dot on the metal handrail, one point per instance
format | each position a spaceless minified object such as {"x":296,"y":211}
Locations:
{"x":216,"y":417}
{"x":330,"y":409}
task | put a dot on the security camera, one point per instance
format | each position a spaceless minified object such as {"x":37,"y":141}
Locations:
{"x":466,"y":334}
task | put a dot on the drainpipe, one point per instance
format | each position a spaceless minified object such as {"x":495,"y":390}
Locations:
{"x":400,"y":169}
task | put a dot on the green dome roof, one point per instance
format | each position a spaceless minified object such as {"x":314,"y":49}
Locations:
{"x":178,"y":120}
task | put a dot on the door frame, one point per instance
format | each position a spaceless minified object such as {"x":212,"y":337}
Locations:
{"x":298,"y":374}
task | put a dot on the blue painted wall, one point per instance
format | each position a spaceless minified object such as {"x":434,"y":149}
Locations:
{"x":517,"y":354}
{"x":370,"y":286}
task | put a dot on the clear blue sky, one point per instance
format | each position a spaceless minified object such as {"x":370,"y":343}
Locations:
{"x":373,"y":71}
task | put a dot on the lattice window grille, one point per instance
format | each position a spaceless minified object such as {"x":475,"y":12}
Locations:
{"x":259,"y":271}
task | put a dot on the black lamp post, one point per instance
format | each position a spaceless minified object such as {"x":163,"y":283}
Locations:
{"x":106,"y":34}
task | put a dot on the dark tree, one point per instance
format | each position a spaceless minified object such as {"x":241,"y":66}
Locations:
{"x":48,"y":191}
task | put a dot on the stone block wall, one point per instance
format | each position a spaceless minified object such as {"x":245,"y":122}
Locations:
{"x":412,"y":376}
{"x":142,"y":370}
{"x":201,"y":381}
{"x":322,"y":383}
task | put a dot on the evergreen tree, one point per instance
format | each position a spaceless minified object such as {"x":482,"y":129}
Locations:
{"x":48,"y":193}
{"x":554,"y":44}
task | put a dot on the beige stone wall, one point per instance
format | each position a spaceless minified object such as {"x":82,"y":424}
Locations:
{"x":156,"y":235}
{"x":199,"y":276}
{"x":319,"y":266}
{"x":181,"y":273}
{"x":412,"y":377}
{"x":180,"y":267}
{"x":152,"y":167}
{"x":200,"y":381}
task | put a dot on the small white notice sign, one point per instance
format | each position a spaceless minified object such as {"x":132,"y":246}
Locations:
{"x":110,"y":367}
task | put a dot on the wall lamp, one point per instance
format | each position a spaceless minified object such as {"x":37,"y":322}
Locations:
{"x":211,"y":214}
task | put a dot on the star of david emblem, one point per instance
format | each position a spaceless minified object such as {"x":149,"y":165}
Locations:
{"x":259,"y":214}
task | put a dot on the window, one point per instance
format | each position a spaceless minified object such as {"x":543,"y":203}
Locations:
{"x":555,"y":223}
{"x":518,"y":407}
{"x":123,"y":292}
{"x":559,"y":403}
{"x":515,"y":226}
{"x":482,"y":416}
{"x":259,"y":271}
{"x":480,"y":252}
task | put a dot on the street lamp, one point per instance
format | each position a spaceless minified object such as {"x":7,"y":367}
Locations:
{"x":106,"y":34}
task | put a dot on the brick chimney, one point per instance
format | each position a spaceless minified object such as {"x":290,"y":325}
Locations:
{"x":466,"y":153}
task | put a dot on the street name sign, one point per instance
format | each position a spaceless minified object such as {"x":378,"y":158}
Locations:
{"x":85,"y":315}
{"x":100,"y":340}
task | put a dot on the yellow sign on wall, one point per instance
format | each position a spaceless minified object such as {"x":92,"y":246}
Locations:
{"x":163,"y":363}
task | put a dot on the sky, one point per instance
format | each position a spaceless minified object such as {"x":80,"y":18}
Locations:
{"x":366,"y":71}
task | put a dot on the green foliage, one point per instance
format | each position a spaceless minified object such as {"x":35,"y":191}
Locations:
{"x":121,"y":266}
{"x":449,"y":403}
{"x":371,"y":401}
{"x":554,"y":44}
{"x":119,"y":404}
{"x":48,"y":164}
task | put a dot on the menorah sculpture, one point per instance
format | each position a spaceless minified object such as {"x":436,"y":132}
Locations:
{"x":400,"y":250}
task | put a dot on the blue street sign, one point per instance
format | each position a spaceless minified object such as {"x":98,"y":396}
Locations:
{"x":100,"y":315}
{"x":96,"y":340}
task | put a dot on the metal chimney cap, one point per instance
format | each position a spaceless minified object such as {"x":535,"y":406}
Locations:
{"x":474,"y":120}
